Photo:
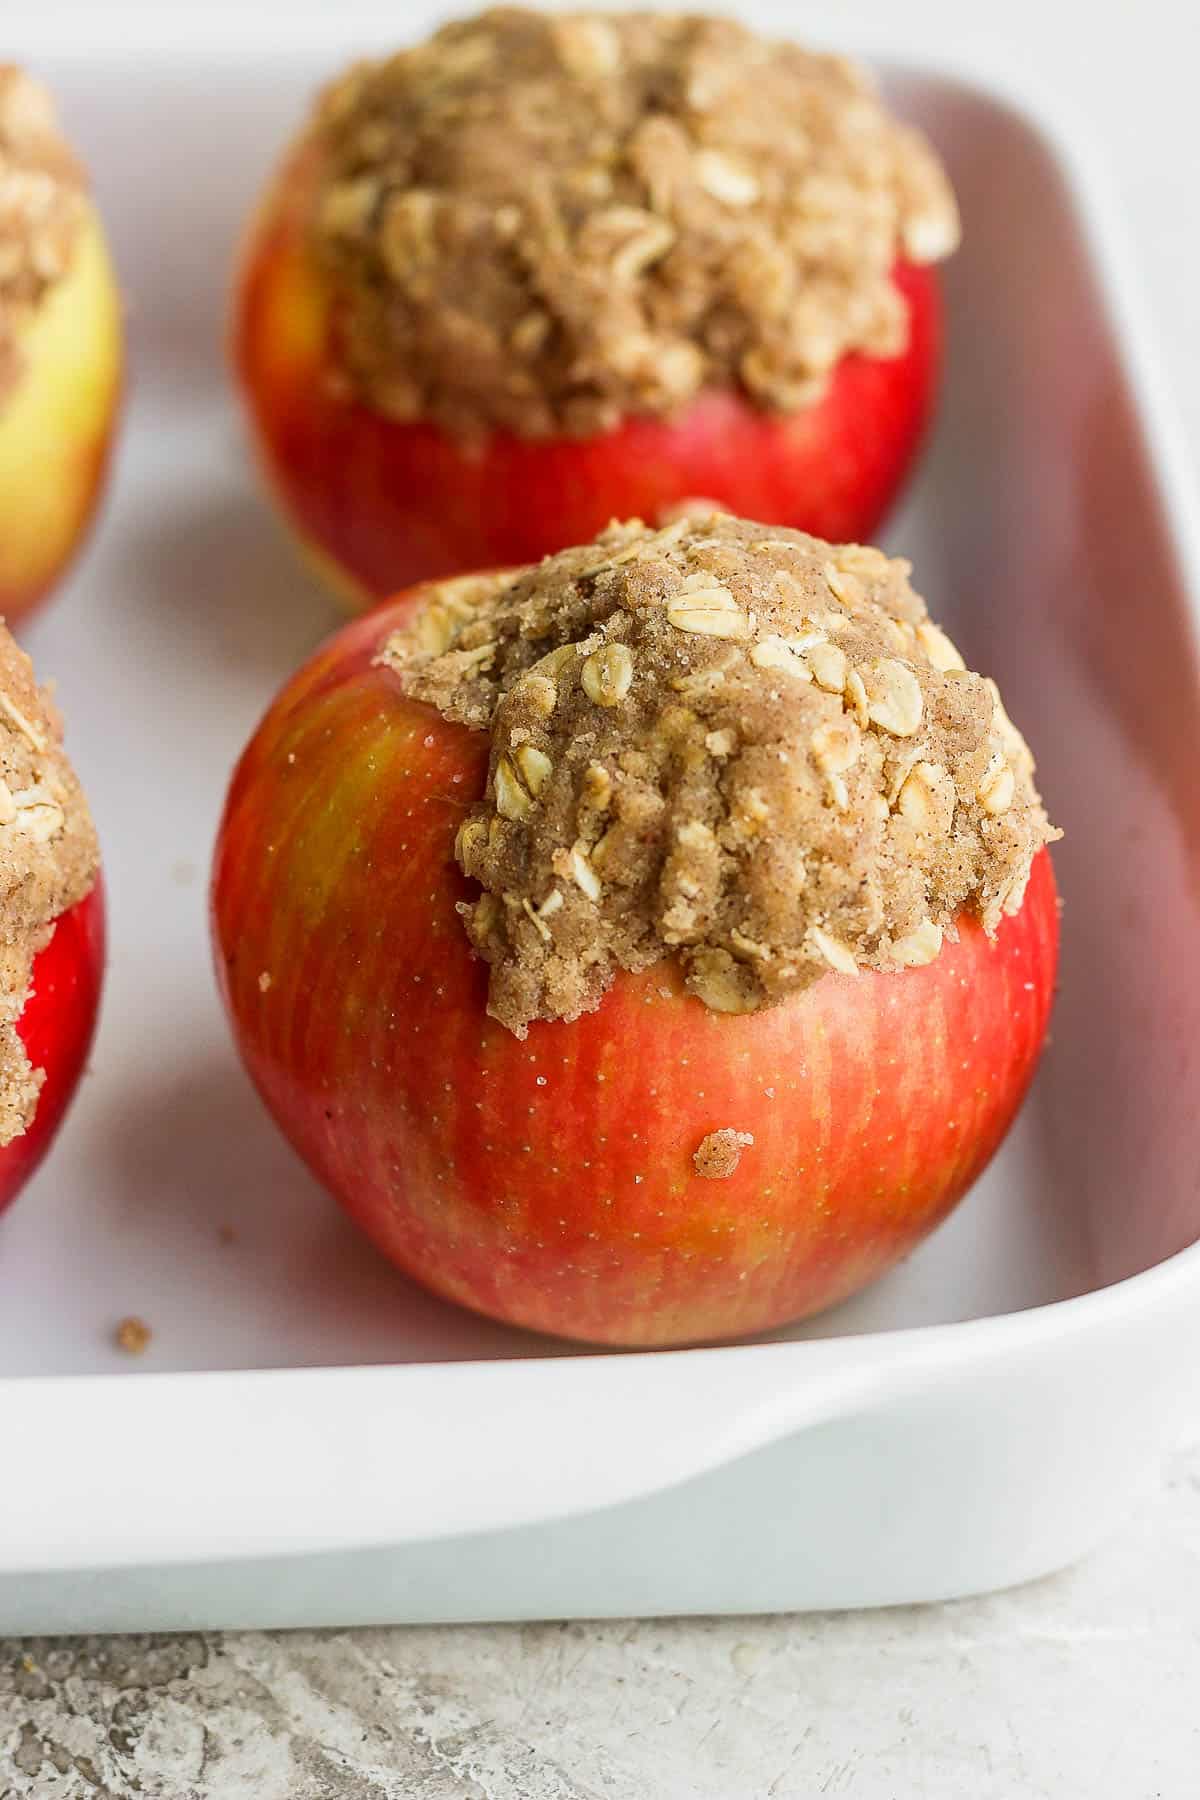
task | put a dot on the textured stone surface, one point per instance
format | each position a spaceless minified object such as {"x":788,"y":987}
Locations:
{"x":1076,"y":1688}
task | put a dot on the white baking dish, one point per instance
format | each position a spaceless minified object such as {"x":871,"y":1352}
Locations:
{"x":310,"y":1439}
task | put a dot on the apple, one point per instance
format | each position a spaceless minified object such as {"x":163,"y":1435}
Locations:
{"x":378,"y":504}
{"x":57,"y":423}
{"x":552,"y":1182}
{"x":56,"y":1028}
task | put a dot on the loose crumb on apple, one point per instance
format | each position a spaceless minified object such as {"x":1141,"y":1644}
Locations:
{"x":717,"y":1156}
{"x":264,"y":982}
{"x":132,"y":1335}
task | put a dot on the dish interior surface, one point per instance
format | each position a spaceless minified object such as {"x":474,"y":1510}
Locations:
{"x":1037,"y":536}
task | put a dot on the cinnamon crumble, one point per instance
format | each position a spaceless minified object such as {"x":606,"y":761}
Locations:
{"x":731,"y":743}
{"x":546,"y":222}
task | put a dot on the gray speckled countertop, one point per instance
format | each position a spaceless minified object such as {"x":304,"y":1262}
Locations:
{"x":1076,"y":1688}
{"x":1083,"y":1687}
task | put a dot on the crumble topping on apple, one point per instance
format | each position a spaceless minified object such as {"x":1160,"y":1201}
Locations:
{"x":544,"y":224}
{"x":732,"y":743}
{"x":48,"y":862}
{"x":42,"y":209}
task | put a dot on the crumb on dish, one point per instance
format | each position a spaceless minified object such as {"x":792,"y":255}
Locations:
{"x":132,"y":1335}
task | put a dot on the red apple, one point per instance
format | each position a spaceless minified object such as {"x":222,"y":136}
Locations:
{"x":378,"y":503}
{"x":550,"y":1182}
{"x":56,"y":1028}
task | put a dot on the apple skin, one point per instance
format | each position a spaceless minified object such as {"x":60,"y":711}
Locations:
{"x":57,"y":1027}
{"x":57,"y":425}
{"x":379,"y":504}
{"x":549,"y":1182}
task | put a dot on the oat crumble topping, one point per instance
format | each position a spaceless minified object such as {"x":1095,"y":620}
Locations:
{"x":726,"y":742}
{"x":41,"y":208}
{"x":544,"y":223}
{"x":48,"y":861}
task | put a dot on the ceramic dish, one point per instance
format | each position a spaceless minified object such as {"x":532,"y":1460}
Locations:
{"x":307,"y":1438}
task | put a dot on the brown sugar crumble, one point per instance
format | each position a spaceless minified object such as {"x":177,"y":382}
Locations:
{"x":48,"y":861}
{"x":132,"y":1335}
{"x":726,"y":742}
{"x":545,"y":223}
{"x":41,"y":209}
{"x":717,"y":1156}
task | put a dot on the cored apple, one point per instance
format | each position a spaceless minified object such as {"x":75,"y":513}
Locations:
{"x":60,"y":382}
{"x":552,"y":1181}
{"x":56,"y":1027}
{"x":379,"y":503}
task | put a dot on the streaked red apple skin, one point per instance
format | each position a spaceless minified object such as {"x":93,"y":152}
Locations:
{"x":550,"y":1182}
{"x":379,"y":504}
{"x":56,"y":1027}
